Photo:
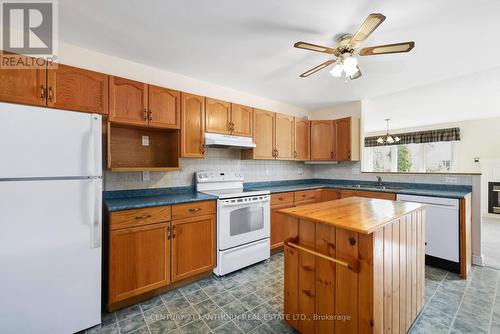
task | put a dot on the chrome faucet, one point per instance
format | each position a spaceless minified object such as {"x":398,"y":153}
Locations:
{"x":379,"y":182}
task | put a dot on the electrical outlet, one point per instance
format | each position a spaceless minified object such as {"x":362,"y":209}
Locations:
{"x":145,"y":176}
{"x":145,"y":140}
{"x":451,"y":179}
{"x":300,"y":170}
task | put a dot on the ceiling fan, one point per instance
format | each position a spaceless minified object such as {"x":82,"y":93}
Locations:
{"x":346,"y":65}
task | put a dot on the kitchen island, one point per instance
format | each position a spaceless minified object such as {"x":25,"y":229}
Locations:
{"x":354,"y":265}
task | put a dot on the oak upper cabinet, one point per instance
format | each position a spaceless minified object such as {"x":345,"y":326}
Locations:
{"x":284,"y":137}
{"x":164,"y":107}
{"x":128,"y":101}
{"x":192,"y":126}
{"x":336,"y":140}
{"x":139,"y":260}
{"x":241,"y":120}
{"x":25,"y":86}
{"x":322,"y":147}
{"x":73,"y":88}
{"x":263,"y":135}
{"x":302,"y":140}
{"x":218,"y":116}
{"x":193,"y":246}
{"x":347,"y":139}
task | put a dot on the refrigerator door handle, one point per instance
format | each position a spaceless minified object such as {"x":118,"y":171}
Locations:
{"x":95,"y":224}
{"x":95,"y":142}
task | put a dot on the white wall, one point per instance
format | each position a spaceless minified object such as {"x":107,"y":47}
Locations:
{"x":468,"y":97}
{"x":76,"y":56}
{"x":338,"y":111}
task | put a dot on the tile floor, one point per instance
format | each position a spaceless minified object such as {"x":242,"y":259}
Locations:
{"x":490,"y":231}
{"x":255,"y":295}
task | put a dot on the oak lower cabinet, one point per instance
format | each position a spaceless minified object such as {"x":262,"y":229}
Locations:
{"x":279,"y":201}
{"x":73,"y":88}
{"x":193,"y":246}
{"x":192,"y":126}
{"x":151,"y":248}
{"x":139,"y":260}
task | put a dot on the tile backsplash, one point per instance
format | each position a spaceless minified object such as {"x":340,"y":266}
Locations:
{"x":216,"y":159}
{"x":260,"y":170}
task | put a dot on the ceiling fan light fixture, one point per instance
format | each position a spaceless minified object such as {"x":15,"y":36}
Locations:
{"x":350,"y":66}
{"x":337,"y":71}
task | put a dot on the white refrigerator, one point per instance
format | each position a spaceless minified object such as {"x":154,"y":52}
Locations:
{"x":50,"y":220}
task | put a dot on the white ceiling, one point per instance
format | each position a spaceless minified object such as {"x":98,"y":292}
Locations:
{"x":247,"y":45}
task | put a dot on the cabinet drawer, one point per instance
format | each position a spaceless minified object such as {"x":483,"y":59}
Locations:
{"x":138,"y":217}
{"x":281,"y":198}
{"x":308,"y":201}
{"x":193,"y":209}
{"x":305,"y":195}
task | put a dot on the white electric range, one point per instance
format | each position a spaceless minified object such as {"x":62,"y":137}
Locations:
{"x":243,"y":220}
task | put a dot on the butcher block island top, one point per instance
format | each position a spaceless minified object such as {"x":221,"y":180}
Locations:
{"x":355,"y":265}
{"x":363,"y":215}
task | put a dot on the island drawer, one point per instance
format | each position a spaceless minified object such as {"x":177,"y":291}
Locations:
{"x":138,"y":217}
{"x":305,"y":195}
{"x":282,"y":198}
{"x":187,"y":210}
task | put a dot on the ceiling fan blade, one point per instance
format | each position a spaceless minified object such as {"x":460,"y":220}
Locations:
{"x":313,"y":47}
{"x":317,"y":68}
{"x":356,"y":75}
{"x":388,"y":48}
{"x":371,"y":23}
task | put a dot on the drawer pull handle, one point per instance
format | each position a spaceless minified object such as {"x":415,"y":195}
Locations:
{"x":143,"y":217}
{"x":194,"y":210}
{"x":352,"y":266}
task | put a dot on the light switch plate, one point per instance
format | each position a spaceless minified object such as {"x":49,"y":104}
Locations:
{"x":145,"y":140}
{"x":145,"y":176}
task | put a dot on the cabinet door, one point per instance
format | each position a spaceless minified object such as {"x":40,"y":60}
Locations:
{"x":164,"y":107}
{"x":128,"y":101}
{"x":278,"y":221}
{"x":343,"y":139}
{"x":331,"y":194}
{"x":192,"y":126}
{"x":77,"y":89}
{"x":139,"y":260}
{"x":302,"y":140}
{"x":283,"y":137}
{"x":218,"y":116}
{"x":321,"y":140}
{"x":193,"y":246}
{"x":241,"y":120}
{"x":25,"y":86}
{"x":263,"y":134}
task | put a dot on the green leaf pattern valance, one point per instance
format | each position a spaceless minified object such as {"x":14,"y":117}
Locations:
{"x":450,"y":134}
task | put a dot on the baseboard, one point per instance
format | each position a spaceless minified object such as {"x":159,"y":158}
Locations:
{"x":478,"y":260}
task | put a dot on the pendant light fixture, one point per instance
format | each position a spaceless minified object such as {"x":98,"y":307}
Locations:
{"x":388,"y":139}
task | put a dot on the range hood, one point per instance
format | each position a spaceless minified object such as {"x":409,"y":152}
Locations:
{"x":217,"y":140}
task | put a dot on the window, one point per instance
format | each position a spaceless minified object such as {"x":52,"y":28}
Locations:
{"x":437,"y":157}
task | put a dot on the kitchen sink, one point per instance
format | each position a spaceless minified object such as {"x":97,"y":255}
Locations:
{"x":374,"y":186}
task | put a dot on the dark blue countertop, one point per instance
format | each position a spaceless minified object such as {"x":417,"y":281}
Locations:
{"x":142,"y":198}
{"x":418,"y":189}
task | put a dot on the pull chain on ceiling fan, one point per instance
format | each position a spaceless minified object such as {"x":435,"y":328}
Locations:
{"x":346,"y":65}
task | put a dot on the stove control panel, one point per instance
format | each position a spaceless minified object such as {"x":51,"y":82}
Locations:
{"x":210,"y":176}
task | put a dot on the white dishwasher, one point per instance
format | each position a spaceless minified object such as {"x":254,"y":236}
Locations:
{"x":441,"y":229}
